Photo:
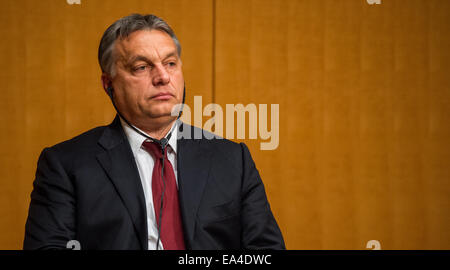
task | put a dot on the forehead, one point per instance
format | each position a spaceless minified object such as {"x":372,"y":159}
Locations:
{"x":152,"y":43}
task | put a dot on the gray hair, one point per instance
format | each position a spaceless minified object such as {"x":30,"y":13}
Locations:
{"x":122,"y":28}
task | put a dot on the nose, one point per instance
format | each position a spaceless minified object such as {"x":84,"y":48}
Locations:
{"x":160,"y":76}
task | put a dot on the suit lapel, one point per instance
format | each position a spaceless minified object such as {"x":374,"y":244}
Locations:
{"x":119,"y":164}
{"x":193,"y":163}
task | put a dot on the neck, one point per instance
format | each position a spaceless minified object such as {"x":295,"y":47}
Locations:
{"x":157,"y":130}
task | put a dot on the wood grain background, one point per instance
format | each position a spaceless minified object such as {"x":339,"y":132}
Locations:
{"x":363,"y":92}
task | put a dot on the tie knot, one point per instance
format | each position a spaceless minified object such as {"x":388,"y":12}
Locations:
{"x":154,"y":149}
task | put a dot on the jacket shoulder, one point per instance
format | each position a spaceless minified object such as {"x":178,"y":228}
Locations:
{"x":224,"y":151}
{"x":86,"y":139}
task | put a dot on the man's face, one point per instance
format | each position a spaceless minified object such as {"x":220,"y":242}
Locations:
{"x":149,"y":79}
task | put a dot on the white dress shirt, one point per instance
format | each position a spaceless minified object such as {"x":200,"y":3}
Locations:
{"x":145,"y":164}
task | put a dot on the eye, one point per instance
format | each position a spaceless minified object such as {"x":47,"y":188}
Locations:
{"x":140,"y":68}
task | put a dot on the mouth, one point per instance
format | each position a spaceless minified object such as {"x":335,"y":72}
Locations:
{"x":162,"y":96}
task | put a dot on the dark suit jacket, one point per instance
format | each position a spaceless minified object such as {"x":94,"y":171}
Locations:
{"x":88,"y":189}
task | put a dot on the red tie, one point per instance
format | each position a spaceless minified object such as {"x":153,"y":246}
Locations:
{"x":171,"y":228}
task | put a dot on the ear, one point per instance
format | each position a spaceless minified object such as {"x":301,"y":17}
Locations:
{"x":106,"y":82}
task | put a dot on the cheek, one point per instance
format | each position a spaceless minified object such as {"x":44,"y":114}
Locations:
{"x":179,"y":85}
{"x":132,"y":87}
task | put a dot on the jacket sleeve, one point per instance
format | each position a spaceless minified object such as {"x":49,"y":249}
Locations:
{"x":51,"y":217}
{"x":259,"y":228}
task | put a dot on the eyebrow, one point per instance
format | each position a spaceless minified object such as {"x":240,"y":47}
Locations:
{"x":139,"y":57}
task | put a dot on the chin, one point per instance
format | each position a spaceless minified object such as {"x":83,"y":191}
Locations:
{"x":166,"y":113}
{"x":163,"y":108}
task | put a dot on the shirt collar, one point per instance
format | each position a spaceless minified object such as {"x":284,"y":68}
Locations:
{"x":136,"y":140}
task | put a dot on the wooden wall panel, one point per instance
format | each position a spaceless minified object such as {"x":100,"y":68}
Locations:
{"x":436,"y":150}
{"x":363,"y":92}
{"x":51,"y":81}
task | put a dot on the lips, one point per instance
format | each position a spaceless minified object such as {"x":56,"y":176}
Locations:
{"x":162,"y":96}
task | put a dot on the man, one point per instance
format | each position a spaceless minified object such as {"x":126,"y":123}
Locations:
{"x":138,"y":184}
